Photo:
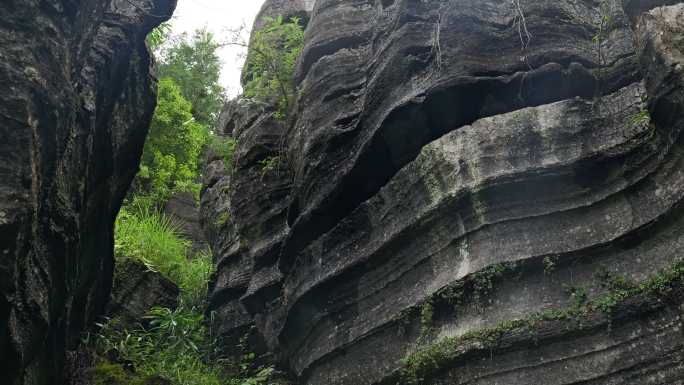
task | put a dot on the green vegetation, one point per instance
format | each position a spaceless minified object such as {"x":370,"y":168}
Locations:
{"x":483,"y":281}
{"x":106,"y":373}
{"x":641,"y":117}
{"x":550,"y":264}
{"x":170,"y":161}
{"x":176,"y":345}
{"x":273,"y":54}
{"x":225,"y":148}
{"x":222,"y":219}
{"x":194,"y":65}
{"x":427,"y":313}
{"x":179,"y":345}
{"x":418,"y":366}
{"x":269,"y":164}
{"x":148,"y":236}
{"x":158,"y":36}
{"x":189,"y":99}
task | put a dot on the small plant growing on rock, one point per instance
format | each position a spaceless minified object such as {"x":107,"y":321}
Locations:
{"x":641,"y":117}
{"x":483,"y":281}
{"x":269,"y":164}
{"x":549,"y":264}
{"x":222,"y":219}
{"x":427,"y":313}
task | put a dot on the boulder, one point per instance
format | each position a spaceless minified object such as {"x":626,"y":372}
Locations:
{"x":183,"y":210}
{"x":137,"y":289}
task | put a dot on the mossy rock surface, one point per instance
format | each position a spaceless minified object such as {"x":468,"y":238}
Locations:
{"x":107,"y":373}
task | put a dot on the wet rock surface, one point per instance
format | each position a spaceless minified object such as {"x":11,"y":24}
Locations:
{"x":447,"y":174}
{"x":77,"y":101}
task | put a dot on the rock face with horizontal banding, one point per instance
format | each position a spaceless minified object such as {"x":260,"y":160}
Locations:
{"x":77,"y":99}
{"x":482,"y":192}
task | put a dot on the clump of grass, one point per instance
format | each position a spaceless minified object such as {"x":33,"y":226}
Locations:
{"x":150,"y":237}
{"x":194,"y":278}
{"x":179,"y":344}
{"x":147,"y":235}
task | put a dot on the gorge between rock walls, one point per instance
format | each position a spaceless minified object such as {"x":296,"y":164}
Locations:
{"x":454,"y":204}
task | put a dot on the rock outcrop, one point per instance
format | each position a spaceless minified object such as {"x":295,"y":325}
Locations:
{"x":183,"y":210}
{"x":137,"y":289}
{"x":244,"y":209}
{"x":284,"y":8}
{"x":469,"y":192}
{"x":77,"y":100}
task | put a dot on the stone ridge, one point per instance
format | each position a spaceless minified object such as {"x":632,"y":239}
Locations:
{"x":77,"y":102}
{"x":452,"y":182}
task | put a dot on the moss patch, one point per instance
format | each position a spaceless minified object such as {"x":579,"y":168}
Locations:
{"x":107,"y":373}
{"x":418,"y":367}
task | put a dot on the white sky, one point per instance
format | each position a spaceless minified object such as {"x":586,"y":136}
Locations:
{"x":220,"y":16}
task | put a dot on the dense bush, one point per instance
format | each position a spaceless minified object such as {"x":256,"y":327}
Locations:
{"x":179,"y":346}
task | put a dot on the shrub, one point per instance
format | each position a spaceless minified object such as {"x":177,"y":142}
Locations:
{"x":223,"y":147}
{"x":194,"y":278}
{"x":271,"y":61}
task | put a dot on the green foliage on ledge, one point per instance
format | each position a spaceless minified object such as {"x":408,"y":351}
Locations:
{"x":145,"y":234}
{"x":416,"y":367}
{"x":271,"y":62}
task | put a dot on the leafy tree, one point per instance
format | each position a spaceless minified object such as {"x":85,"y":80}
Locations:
{"x":271,"y":61}
{"x":193,"y":63}
{"x":172,"y":151}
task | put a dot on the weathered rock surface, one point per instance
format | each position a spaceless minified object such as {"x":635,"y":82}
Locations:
{"x":183,"y":210}
{"x":244,"y":207}
{"x":137,"y":289}
{"x":76,"y":103}
{"x":460,"y":187}
{"x":284,"y":8}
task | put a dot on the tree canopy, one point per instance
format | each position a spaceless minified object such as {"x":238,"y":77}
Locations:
{"x":172,"y":151}
{"x":193,"y":63}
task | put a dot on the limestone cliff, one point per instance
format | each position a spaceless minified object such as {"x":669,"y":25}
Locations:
{"x":77,"y":100}
{"x":468,"y":192}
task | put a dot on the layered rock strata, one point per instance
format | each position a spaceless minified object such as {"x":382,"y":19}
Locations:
{"x":482,"y":192}
{"x":78,"y":98}
{"x":137,"y":289}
